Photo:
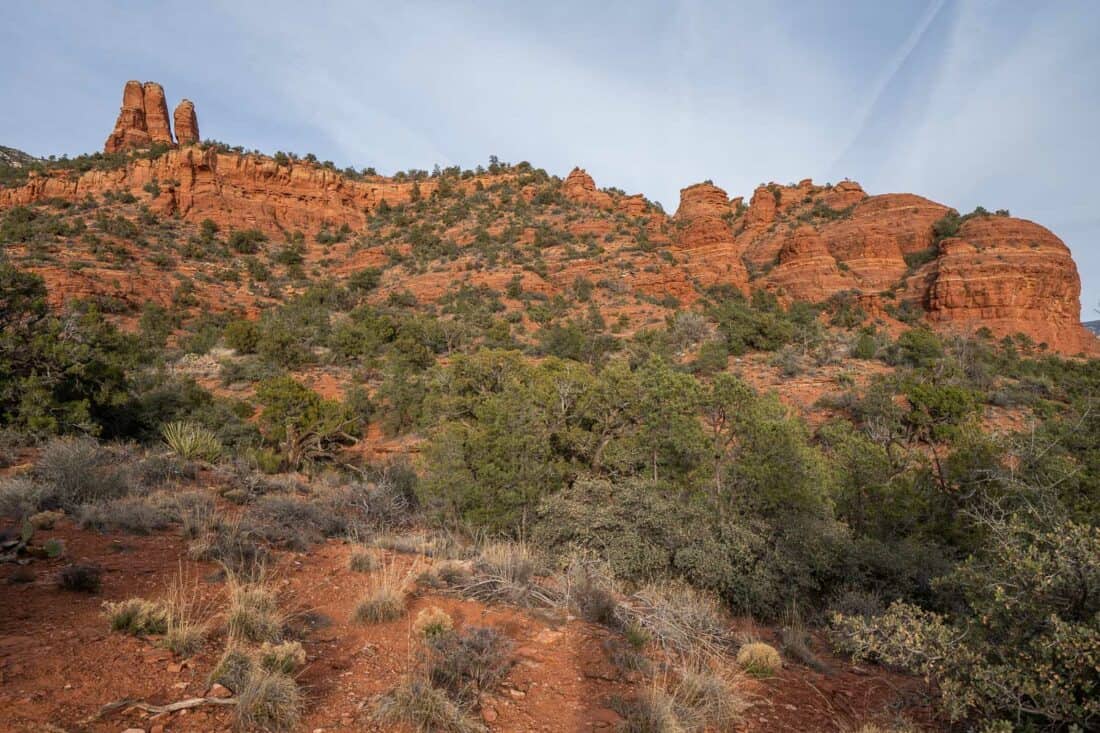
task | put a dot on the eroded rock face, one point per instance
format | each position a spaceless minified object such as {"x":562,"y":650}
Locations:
{"x":143,"y":119}
{"x":130,"y":128}
{"x":702,"y":227}
{"x":186,"y":122}
{"x":156,"y":114}
{"x":802,"y":241}
{"x":580,"y":187}
{"x":1009,"y":275}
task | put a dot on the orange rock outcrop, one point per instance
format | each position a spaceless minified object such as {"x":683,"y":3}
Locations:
{"x":186,"y":123}
{"x":802,"y":241}
{"x":143,"y":119}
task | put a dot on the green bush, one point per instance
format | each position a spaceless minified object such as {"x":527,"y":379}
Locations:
{"x":1024,"y":647}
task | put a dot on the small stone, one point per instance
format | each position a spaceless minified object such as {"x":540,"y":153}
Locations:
{"x":488,"y":715}
{"x":134,"y":730}
{"x":219,"y":691}
{"x":517,"y":694}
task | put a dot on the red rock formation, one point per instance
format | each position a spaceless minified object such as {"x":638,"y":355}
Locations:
{"x":130,"y":128}
{"x":156,"y":114}
{"x":1009,"y":275}
{"x":802,"y":241}
{"x":702,"y":227}
{"x":186,"y":123}
{"x":234,"y":190}
{"x":580,"y":187}
{"x":806,"y":270}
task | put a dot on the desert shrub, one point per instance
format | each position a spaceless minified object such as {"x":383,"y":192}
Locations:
{"x":233,"y":668}
{"x":254,"y":613}
{"x":191,"y":442}
{"x":269,"y":701}
{"x":133,"y":514}
{"x":432,"y":621}
{"x":1022,"y":646}
{"x":416,"y":702}
{"x":78,"y":471}
{"x":759,"y":659}
{"x":385,"y":597}
{"x":246,"y":241}
{"x":505,"y":572}
{"x":294,"y":522}
{"x":589,"y":590}
{"x":20,"y":497}
{"x":679,"y":618}
{"x":137,"y":616}
{"x":243,"y":336}
{"x":287,"y":657}
{"x":469,"y":662}
{"x":305,"y":427}
{"x":363,"y":561}
{"x":232,"y":545}
{"x":60,"y":373}
{"x":81,"y":578}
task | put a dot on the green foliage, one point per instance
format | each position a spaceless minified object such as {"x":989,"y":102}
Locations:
{"x":761,"y":324}
{"x":305,"y":427}
{"x":1024,"y":647}
{"x":246,"y":241}
{"x":191,"y":442}
{"x":59,"y":374}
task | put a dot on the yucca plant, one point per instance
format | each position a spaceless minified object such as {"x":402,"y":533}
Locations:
{"x":191,"y":442}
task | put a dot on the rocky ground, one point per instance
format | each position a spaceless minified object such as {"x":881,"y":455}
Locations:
{"x":60,"y":663}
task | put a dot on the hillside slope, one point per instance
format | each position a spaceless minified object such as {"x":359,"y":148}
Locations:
{"x":903,"y":257}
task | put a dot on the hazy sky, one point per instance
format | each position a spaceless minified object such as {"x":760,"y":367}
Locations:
{"x":967,"y":102}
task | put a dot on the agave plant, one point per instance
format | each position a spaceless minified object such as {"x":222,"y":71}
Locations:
{"x":191,"y":442}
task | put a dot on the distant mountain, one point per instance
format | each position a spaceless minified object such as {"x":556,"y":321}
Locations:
{"x":1093,"y":326}
{"x":15,"y":158}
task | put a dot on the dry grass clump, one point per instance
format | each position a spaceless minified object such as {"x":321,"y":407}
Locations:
{"x":432,"y":621}
{"x":385,"y":597}
{"x":233,"y":669}
{"x":504,"y":572}
{"x":696,"y":698}
{"x":418,"y":704}
{"x":19,"y":497}
{"x":81,"y":578}
{"x":447,"y":574}
{"x":469,"y":662}
{"x":759,"y":659}
{"x":137,"y":616}
{"x":706,"y":697}
{"x":287,"y":657}
{"x":680,"y":618}
{"x":231,"y":544}
{"x":797,"y":643}
{"x":138,"y":515}
{"x":254,"y":613}
{"x":46,"y":519}
{"x":406,"y":544}
{"x":269,"y":701}
{"x":363,"y":561}
{"x":590,"y":591}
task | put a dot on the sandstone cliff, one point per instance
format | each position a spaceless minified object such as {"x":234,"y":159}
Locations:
{"x":802,"y":241}
{"x":143,"y":119}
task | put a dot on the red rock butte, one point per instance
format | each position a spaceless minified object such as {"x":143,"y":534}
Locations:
{"x":801,"y":241}
{"x":143,"y":120}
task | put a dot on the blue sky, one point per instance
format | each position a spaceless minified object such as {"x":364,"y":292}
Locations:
{"x":967,"y":102}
